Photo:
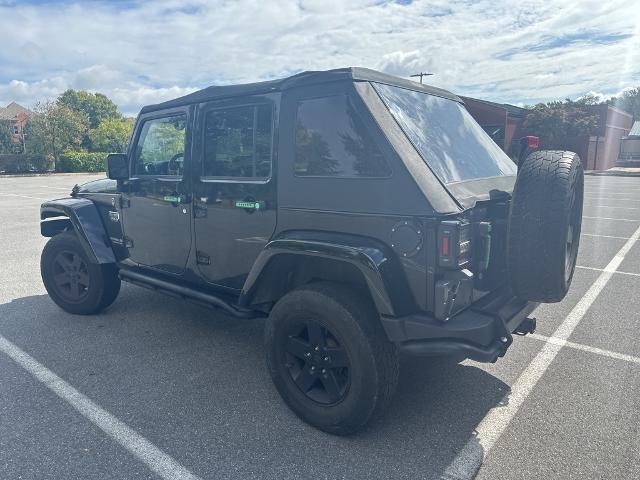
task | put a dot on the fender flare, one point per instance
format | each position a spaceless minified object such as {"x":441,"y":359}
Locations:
{"x":81,"y":214}
{"x":374,"y":261}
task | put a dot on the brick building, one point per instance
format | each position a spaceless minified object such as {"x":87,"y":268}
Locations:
{"x":502,"y":121}
{"x":17,"y":116}
{"x":598,"y":151}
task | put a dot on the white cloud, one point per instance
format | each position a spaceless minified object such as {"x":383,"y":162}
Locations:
{"x":144,"y":52}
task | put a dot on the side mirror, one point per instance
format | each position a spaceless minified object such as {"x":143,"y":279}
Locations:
{"x":117,"y":166}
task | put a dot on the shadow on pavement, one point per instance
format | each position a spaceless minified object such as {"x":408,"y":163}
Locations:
{"x":194,"y":383}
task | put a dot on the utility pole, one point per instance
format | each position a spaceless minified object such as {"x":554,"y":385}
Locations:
{"x":421,"y":74}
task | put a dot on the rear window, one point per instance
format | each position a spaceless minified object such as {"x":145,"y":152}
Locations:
{"x":447,"y":137}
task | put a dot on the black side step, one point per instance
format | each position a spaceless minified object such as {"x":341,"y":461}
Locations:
{"x":186,"y":293}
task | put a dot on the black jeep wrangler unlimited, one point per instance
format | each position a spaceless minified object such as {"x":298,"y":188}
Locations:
{"x":362,"y":214}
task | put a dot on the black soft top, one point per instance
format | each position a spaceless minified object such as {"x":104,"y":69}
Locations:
{"x":298,"y":80}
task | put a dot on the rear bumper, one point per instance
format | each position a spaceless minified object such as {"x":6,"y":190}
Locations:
{"x":483,"y":332}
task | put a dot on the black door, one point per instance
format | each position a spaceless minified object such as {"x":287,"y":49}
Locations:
{"x":234,"y":187}
{"x":157,"y":209}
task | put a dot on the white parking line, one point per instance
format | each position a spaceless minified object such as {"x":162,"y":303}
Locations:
{"x":608,"y":198}
{"x":602,"y":270}
{"x":612,"y":218}
{"x":466,"y":464}
{"x":158,"y":461}
{"x":603,"y":236}
{"x":23,"y":196}
{"x":592,"y":189}
{"x":585,"y":348}
{"x":597,"y":205}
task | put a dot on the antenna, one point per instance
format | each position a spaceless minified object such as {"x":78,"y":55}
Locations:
{"x":421,"y":74}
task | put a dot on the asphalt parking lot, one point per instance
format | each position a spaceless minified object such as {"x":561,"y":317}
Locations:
{"x":155,"y":387}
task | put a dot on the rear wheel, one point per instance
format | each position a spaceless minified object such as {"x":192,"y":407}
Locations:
{"x":544,"y":225}
{"x":72,"y":281}
{"x":329,"y":357}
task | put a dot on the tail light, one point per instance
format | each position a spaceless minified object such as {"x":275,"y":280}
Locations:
{"x":454,"y":244}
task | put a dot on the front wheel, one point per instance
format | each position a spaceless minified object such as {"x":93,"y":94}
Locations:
{"x":74,"y":283}
{"x":329,"y":357}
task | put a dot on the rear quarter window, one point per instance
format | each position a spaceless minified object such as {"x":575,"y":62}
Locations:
{"x":331,"y":140}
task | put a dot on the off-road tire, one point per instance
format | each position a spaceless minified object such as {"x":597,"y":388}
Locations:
{"x":373,"y":359}
{"x":104,"y":284}
{"x":544,"y":225}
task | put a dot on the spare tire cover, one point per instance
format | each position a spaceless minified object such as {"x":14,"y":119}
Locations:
{"x":545,"y":219}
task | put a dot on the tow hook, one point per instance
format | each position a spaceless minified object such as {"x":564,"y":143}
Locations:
{"x":528,"y":325}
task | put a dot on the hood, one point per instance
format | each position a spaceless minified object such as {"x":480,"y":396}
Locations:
{"x":103,"y":185}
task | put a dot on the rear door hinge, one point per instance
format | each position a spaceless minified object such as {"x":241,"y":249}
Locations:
{"x":127,"y":242}
{"x":124,"y":202}
{"x":202,"y":258}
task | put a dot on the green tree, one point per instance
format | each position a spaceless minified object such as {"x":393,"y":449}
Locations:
{"x":53,"y":129}
{"x":556,"y":121}
{"x":95,"y":106}
{"x":6,"y":137}
{"x":629,"y":101}
{"x":112,"y":135}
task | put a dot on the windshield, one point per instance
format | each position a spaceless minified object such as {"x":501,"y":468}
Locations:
{"x":449,"y":140}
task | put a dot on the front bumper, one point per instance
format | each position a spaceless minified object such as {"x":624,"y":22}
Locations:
{"x":482,"y":332}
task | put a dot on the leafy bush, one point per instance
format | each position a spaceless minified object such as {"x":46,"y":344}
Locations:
{"x":15,"y":163}
{"x":71,"y":161}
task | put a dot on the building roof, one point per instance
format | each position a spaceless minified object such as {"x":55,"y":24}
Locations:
{"x":11,"y":111}
{"x":512,"y":110}
{"x":635,"y":129}
{"x":301,"y":79}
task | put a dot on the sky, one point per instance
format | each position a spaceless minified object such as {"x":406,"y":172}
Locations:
{"x":141,"y":52}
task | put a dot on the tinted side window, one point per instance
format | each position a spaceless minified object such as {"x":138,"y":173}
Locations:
{"x":331,"y":140}
{"x":238,"y":142}
{"x":160,"y":147}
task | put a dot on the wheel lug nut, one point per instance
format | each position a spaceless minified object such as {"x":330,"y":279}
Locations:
{"x":324,"y":371}
{"x":326,"y":359}
{"x":307,"y":354}
{"x":312,"y":369}
{"x":317,"y":348}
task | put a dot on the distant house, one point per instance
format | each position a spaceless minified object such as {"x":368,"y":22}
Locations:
{"x":17,"y":116}
{"x":630,"y":148}
{"x":599,"y":150}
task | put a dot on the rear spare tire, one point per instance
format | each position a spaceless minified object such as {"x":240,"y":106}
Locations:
{"x":544,"y":225}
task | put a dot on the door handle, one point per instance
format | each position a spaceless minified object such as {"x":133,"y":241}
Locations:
{"x":250,"y":206}
{"x":175,"y":199}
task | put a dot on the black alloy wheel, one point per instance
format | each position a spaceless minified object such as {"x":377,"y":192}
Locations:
{"x":317,"y":362}
{"x":329,"y":356}
{"x":73,"y":282}
{"x":70,"y":276}
{"x":573,"y":236}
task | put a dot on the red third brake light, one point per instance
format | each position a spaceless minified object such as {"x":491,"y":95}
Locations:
{"x":445,"y":246}
{"x":533,"y":142}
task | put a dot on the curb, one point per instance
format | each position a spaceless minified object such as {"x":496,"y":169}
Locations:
{"x":613,"y":174}
{"x":49,"y":174}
